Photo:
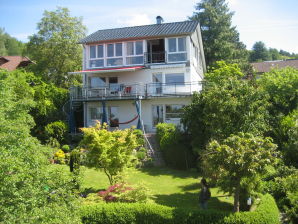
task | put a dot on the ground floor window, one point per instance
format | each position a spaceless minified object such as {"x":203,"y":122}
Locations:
{"x":174,"y":111}
{"x":95,"y":113}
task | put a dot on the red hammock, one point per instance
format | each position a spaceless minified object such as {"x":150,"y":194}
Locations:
{"x":127,"y":122}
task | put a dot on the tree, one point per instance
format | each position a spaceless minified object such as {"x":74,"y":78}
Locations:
{"x":274,"y":54}
{"x":259,"y":52}
{"x":227,"y":104}
{"x":110,"y":151}
{"x":9,"y":46}
{"x":240,"y":157}
{"x":55,"y":48}
{"x":31,"y":190}
{"x":220,"y":38}
{"x":281,"y":85}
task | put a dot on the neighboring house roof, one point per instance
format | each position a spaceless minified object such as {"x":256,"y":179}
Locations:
{"x":266,"y":66}
{"x":147,"y":31}
{"x":11,"y":63}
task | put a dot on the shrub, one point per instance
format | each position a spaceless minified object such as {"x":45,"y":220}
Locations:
{"x":124,"y":192}
{"x":283,"y":185}
{"x":266,"y":213}
{"x":65,"y":148}
{"x":57,"y":130}
{"x":175,"y":147}
{"x":59,"y":157}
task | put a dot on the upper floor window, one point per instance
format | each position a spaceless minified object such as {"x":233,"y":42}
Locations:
{"x":135,"y":53}
{"x":174,"y":78}
{"x":114,"y":54}
{"x":177,"y":49}
{"x":96,"y":56}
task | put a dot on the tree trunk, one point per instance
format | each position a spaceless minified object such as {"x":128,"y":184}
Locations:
{"x":236,"y":197}
{"x":109,"y":176}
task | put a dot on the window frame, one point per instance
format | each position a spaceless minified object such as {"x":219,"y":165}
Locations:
{"x":173,"y":113}
{"x":177,"y":49}
{"x":114,"y":54}
{"x":134,"y":51}
{"x":96,"y":55}
{"x":100,"y":113}
{"x":174,"y":83}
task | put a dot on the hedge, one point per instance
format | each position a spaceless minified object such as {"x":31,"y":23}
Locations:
{"x":124,"y":213}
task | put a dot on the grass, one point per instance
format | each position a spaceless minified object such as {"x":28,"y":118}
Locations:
{"x":170,"y":187}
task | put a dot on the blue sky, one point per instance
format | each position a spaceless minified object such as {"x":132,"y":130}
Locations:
{"x":274,"y":22}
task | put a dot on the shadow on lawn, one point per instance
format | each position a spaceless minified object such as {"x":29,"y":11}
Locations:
{"x":190,"y":200}
{"x":159,"y":171}
{"x":191,"y":187}
{"x":89,"y":190}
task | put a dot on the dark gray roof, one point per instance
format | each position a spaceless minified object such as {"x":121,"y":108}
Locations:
{"x":154,"y":30}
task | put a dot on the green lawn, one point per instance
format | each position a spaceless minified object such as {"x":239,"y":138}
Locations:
{"x":170,"y":187}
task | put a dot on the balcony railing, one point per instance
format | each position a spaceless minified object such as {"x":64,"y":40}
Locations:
{"x":155,"y":57}
{"x":129,"y":91}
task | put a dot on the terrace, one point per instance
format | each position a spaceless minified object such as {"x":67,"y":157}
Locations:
{"x":124,"y":91}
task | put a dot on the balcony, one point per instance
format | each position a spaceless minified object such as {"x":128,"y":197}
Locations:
{"x":134,"y":91}
{"x":155,"y":57}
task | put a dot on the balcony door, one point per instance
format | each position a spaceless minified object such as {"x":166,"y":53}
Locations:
{"x":157,"y":83}
{"x":156,"y":51}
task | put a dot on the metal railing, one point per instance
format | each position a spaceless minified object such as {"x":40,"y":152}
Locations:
{"x":155,"y":57}
{"x":136,"y":90}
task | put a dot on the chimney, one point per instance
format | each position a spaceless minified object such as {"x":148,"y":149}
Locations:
{"x":159,"y":20}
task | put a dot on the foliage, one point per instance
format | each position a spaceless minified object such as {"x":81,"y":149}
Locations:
{"x":111,"y":151}
{"x":259,"y":52}
{"x":220,"y":38}
{"x":49,"y":101}
{"x":227,"y":105}
{"x":266,"y":213}
{"x":75,"y":160}
{"x":174,"y":146}
{"x":10,"y":46}
{"x":282,"y":88}
{"x":55,"y":47}
{"x":282,"y":184}
{"x":57,"y":130}
{"x":59,"y":157}
{"x":31,"y":190}
{"x":124,"y":192}
{"x":239,"y":158}
{"x":289,"y":133}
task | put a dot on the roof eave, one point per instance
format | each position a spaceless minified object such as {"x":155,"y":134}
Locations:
{"x":135,"y":38}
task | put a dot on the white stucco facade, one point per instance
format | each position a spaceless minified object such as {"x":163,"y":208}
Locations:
{"x":112,"y":85}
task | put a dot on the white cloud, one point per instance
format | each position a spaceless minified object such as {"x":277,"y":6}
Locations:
{"x":21,"y":36}
{"x":135,"y":20}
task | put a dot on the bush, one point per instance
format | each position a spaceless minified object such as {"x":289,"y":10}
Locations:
{"x":283,"y":185}
{"x":175,"y":147}
{"x":125,"y":193}
{"x":59,"y":157}
{"x":57,"y":130}
{"x":266,"y":213}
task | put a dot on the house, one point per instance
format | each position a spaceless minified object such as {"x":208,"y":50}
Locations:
{"x":266,"y":66}
{"x":139,"y":75}
{"x":11,"y":63}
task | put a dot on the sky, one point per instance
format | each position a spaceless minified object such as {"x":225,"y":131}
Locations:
{"x":275,"y":22}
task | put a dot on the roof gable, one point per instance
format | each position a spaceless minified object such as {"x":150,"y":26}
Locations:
{"x":147,"y":31}
{"x":11,"y":63}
